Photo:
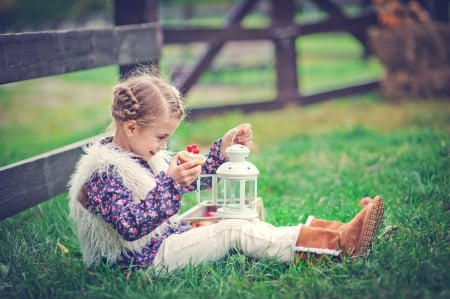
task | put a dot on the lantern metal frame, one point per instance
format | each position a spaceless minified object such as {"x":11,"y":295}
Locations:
{"x":239,"y":199}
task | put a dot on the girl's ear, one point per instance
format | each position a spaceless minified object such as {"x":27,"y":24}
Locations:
{"x":129,"y":127}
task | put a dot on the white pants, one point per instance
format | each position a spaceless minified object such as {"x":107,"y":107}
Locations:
{"x":213,"y":242}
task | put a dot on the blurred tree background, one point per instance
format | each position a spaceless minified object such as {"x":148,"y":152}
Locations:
{"x":33,"y":15}
{"x":26,"y":15}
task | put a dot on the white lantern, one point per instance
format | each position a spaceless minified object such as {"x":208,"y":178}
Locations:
{"x":229,"y":193}
{"x":238,"y":180}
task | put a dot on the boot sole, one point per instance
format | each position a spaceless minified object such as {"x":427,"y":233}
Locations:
{"x":372,"y":223}
{"x":380,"y":214}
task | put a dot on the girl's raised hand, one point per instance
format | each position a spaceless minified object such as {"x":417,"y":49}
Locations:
{"x":185,"y":173}
{"x":241,"y":134}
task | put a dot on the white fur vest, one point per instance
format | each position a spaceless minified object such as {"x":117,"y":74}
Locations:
{"x":98,"y":239}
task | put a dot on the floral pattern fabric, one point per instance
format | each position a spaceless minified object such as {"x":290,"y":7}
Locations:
{"x":110,"y":198}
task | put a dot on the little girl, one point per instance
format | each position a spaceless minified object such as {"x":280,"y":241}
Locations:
{"x":126,"y":191}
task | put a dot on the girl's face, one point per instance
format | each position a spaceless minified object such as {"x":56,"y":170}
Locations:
{"x":147,"y":141}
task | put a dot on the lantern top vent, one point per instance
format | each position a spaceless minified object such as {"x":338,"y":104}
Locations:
{"x":238,"y":167}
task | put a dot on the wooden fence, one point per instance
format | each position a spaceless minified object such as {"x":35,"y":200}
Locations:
{"x":137,"y":38}
{"x":33,"y":55}
{"x":282,"y":32}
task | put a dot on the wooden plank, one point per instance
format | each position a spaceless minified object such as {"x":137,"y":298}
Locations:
{"x":32,"y":55}
{"x":265,"y":104}
{"x":196,"y":34}
{"x":193,"y":34}
{"x":339,"y":92}
{"x":29,"y":182}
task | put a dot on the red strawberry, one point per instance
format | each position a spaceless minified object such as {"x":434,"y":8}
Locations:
{"x":193,"y":148}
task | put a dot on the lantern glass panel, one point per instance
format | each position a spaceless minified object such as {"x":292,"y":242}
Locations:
{"x":238,"y":194}
{"x":206,"y":185}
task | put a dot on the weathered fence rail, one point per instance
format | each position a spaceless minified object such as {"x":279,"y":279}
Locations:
{"x":136,"y":39}
{"x":34,"y":55}
{"x":32,"y":181}
{"x":38,"y":54}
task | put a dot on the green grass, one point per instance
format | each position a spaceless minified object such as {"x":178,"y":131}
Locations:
{"x":315,"y":160}
{"x":322,"y":173}
{"x":342,"y":54}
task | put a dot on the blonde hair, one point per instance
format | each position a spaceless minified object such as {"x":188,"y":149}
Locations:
{"x":145,"y":98}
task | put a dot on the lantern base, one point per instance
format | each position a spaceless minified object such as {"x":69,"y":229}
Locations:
{"x":237,"y":213}
{"x":200,"y":215}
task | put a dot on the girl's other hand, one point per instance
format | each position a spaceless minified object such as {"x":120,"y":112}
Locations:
{"x":241,"y":134}
{"x":185,"y":173}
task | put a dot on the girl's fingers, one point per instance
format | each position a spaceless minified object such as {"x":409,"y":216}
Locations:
{"x":244,"y":134}
{"x":190,"y":164}
{"x":241,"y":134}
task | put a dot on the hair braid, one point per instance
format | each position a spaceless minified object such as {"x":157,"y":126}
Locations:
{"x":146,"y":98}
{"x":125,"y":106}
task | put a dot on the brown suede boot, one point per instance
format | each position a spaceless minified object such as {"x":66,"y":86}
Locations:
{"x":332,"y":225}
{"x":352,"y":239}
{"x":321,"y":223}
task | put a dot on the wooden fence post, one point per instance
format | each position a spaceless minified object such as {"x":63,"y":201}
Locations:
{"x":136,"y":12}
{"x":284,"y":37}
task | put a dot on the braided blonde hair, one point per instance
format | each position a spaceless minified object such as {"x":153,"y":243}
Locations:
{"x":146,"y":98}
